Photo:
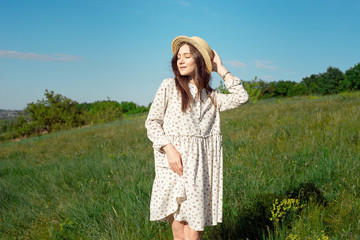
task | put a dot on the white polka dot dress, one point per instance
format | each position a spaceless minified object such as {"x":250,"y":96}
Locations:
{"x":196,"y":196}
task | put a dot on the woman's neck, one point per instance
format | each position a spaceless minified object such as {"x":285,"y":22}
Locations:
{"x":191,"y":80}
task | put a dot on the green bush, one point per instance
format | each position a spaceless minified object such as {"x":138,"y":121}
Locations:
{"x":132,"y":108}
{"x":6,"y":125}
{"x":221,"y":88}
{"x":55,"y":112}
{"x":101,"y":112}
{"x":298,"y":89}
{"x":253,"y":89}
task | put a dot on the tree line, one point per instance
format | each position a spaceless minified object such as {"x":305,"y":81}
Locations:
{"x":330,"y":82}
{"x":56,"y":112}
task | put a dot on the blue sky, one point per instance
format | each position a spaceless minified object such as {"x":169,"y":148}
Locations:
{"x":91,"y":50}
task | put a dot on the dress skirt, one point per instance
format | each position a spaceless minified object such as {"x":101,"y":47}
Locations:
{"x":196,"y":196}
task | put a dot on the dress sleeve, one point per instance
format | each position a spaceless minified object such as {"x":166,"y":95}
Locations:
{"x":155,"y":119}
{"x":237,"y":96}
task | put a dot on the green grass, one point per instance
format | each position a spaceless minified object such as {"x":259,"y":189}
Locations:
{"x":95,"y":182}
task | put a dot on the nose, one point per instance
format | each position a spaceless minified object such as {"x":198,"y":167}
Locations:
{"x":181,"y":60}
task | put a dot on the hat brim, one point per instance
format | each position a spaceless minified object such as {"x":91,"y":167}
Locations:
{"x":178,"y":41}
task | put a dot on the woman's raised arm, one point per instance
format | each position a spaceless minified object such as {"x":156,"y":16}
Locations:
{"x":237,"y":95}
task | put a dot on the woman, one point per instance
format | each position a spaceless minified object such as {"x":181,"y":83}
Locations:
{"x":184,"y":126}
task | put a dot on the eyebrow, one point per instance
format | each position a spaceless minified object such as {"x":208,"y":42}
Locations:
{"x":184,"y":53}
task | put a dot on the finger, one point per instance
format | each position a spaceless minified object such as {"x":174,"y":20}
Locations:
{"x":180,"y":167}
{"x":174,"y":168}
{"x":179,"y":172}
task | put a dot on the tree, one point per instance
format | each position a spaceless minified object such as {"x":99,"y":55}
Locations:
{"x":330,"y":82}
{"x":253,"y":89}
{"x":128,"y":107}
{"x":101,"y":111}
{"x":221,"y":88}
{"x":282,"y":87}
{"x":52,"y":113}
{"x":267,"y":89}
{"x":311,"y":83}
{"x":352,"y":78}
{"x":298,"y":89}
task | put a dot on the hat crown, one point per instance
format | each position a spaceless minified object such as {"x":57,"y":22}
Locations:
{"x":199,"y":43}
{"x":203,"y":44}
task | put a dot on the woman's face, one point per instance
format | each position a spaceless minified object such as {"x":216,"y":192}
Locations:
{"x":185,"y":62}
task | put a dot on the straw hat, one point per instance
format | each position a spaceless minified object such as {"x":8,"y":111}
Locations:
{"x":199,"y":44}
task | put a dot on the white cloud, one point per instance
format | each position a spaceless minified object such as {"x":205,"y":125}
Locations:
{"x":37,"y":56}
{"x":265,"y":64}
{"x":184,"y":3}
{"x":236,"y":63}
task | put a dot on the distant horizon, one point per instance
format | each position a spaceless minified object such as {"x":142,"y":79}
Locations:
{"x":2,"y":109}
{"x":151,"y":101}
{"x":90,"y":50}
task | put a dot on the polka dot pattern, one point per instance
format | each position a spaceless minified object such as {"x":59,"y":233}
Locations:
{"x":195,"y":197}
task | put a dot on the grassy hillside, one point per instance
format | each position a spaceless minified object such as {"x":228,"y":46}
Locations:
{"x":291,"y":170}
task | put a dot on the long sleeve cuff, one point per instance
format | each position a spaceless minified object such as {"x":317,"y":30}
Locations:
{"x":159,"y":146}
{"x":232,"y":82}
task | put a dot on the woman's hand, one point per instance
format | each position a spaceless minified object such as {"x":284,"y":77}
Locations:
{"x":216,"y":62}
{"x":219,"y":68}
{"x":174,"y":159}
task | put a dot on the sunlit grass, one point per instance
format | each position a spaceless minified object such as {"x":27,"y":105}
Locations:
{"x":95,"y":182}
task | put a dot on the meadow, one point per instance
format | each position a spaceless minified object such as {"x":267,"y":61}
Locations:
{"x":291,"y":171}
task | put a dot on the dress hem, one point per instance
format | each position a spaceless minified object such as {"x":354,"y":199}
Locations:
{"x":165,"y":219}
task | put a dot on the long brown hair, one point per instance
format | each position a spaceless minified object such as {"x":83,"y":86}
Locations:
{"x":202,"y":78}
